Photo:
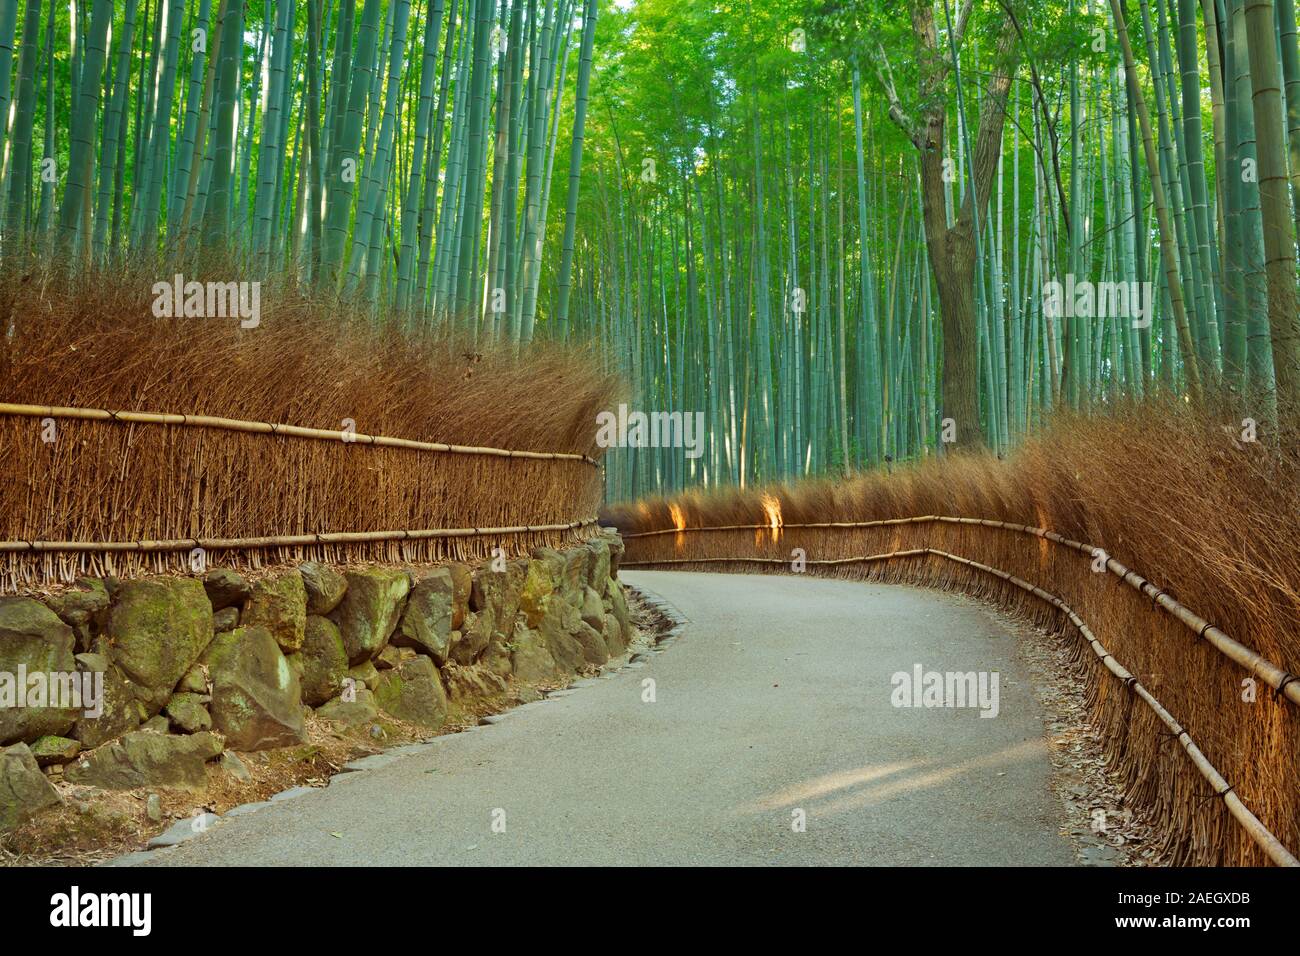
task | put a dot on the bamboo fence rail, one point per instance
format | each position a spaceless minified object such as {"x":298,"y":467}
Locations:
{"x":126,"y":492}
{"x":1284,"y":683}
{"x":284,"y":540}
{"x":268,"y":428}
{"x":1260,"y":834}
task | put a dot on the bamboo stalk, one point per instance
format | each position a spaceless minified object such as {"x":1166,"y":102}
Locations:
{"x":1270,"y":844}
{"x":296,"y":431}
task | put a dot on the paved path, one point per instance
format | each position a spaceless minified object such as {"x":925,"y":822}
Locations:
{"x":776,"y":698}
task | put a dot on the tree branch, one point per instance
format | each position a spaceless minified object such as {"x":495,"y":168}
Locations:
{"x":896,"y":111}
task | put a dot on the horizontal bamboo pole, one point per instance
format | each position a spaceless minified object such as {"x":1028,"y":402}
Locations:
{"x":1270,"y":844}
{"x":246,"y":544}
{"x":1285,"y":683}
{"x":267,"y":428}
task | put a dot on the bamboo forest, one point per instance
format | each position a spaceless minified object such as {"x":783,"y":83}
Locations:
{"x":846,"y":233}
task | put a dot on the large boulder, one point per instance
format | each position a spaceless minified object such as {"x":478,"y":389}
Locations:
{"x":256,"y":699}
{"x":24,"y":790}
{"x":34,"y":642}
{"x":426,"y":623}
{"x":413,"y":692}
{"x":370,"y":610}
{"x":146,"y":759}
{"x":325,"y":586}
{"x":279,"y":604}
{"x":158,"y":628}
{"x":119,"y":712}
{"x":324,"y":661}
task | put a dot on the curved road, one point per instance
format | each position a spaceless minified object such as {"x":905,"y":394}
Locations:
{"x":775,"y":699}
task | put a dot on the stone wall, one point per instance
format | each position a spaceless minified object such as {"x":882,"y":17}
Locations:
{"x":191,"y":667}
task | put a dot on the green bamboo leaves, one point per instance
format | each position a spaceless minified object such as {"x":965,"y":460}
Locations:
{"x":829,"y":229}
{"x":297,"y":139}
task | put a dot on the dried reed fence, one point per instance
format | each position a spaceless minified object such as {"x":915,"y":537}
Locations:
{"x":484,"y":446}
{"x":1212,"y":521}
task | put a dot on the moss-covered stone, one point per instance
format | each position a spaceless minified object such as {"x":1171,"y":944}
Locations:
{"x":195,"y":680}
{"x":324,"y":661}
{"x":361,"y":709}
{"x":256,"y":698}
{"x":144,"y":759}
{"x":24,"y":790}
{"x":618,"y":607}
{"x":393,"y":656}
{"x":594,"y":649}
{"x":616,"y":549}
{"x":530,"y":657}
{"x":593,"y":610}
{"x":468,"y":687}
{"x":119,"y":712}
{"x":496,"y":657}
{"x":227,"y":619}
{"x":225,"y":588}
{"x":474,"y":638}
{"x":574,"y":577}
{"x":540,"y":583}
{"x":426,"y":622}
{"x":54,"y":749}
{"x":613,"y":635}
{"x":559,"y":629}
{"x":364,"y":675}
{"x":32,"y":641}
{"x":413,"y":692}
{"x":370,"y":610}
{"x":496,"y":595}
{"x":158,"y":628}
{"x":325,"y":586}
{"x":598,"y":564}
{"x":81,"y":605}
{"x":187,"y":713}
{"x":279,"y":604}
{"x":462,"y":581}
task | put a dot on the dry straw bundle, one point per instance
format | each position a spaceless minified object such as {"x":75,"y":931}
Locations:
{"x":1211,"y":519}
{"x":94,"y":343}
